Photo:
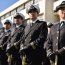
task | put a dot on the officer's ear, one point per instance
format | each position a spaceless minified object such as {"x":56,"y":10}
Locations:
{"x":38,"y":14}
{"x":57,"y":12}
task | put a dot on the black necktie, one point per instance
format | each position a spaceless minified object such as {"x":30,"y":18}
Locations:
{"x":9,"y":31}
{"x":16,"y":29}
{"x":33,"y":24}
{"x":61,"y":24}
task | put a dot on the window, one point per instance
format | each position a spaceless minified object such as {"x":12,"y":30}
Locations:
{"x":36,"y":1}
{"x":2,"y":17}
{"x":20,"y":8}
{"x":56,"y":0}
{"x":40,"y":17}
{"x":28,"y":3}
{"x":1,"y":25}
{"x":13,"y":12}
{"x":7,"y":15}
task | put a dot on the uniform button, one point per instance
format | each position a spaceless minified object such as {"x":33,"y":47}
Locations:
{"x":36,"y":44}
{"x":56,"y":50}
{"x":25,"y":39}
{"x":57,"y":37}
{"x":56,"y":44}
{"x":30,"y":39}
{"x":30,"y":35}
{"x":64,"y":48}
{"x":57,"y":31}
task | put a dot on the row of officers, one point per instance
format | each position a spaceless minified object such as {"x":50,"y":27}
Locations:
{"x":32,"y":44}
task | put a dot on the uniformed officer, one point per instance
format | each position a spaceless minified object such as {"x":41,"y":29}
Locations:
{"x":35,"y":36}
{"x":15,"y":39}
{"x":49,"y":25}
{"x":56,"y":40}
{"x":4,"y":36}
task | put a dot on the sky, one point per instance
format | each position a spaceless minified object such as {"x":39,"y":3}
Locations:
{"x":4,"y":4}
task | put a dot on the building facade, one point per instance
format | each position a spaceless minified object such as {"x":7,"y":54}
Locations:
{"x":46,"y":10}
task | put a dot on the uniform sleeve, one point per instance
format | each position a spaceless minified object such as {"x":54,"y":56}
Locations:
{"x":49,"y":45}
{"x":39,"y":41}
{"x":42,"y":36}
{"x":62,"y":50}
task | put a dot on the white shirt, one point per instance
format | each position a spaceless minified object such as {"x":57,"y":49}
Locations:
{"x":62,"y":20}
{"x":7,"y":30}
{"x":30,"y":22}
{"x":17,"y":26}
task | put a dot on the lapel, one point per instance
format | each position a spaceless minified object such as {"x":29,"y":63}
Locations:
{"x":57,"y":27}
{"x":8,"y":33}
{"x":16,"y":31}
{"x":63,"y":26}
{"x":33,"y":28}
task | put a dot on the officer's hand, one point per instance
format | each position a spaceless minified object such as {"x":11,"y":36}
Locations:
{"x":22,"y":47}
{"x":61,"y":50}
{"x":33,"y":46}
{"x":0,"y":46}
{"x":14,"y":44}
{"x":56,"y":52}
{"x":52,"y":56}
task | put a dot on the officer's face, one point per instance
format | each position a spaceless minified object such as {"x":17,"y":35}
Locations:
{"x":18,"y":21}
{"x":61,"y":13}
{"x":33,"y":15}
{"x":7,"y":26}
